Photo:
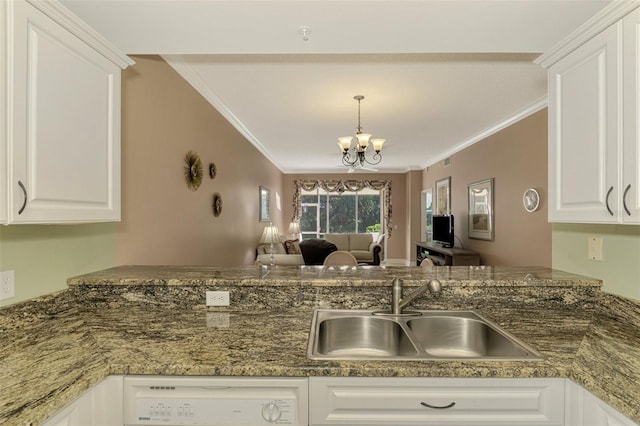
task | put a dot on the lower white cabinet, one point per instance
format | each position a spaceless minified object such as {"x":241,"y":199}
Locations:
{"x":99,"y":406}
{"x":585,"y":409}
{"x":396,"y":401}
{"x":431,"y":401}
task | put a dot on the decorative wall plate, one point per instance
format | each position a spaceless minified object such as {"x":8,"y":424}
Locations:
{"x":212,"y":170}
{"x":531,"y":200}
{"x":216,"y":204}
{"x":192,"y":170}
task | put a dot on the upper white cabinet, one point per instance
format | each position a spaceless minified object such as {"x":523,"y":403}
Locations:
{"x":631,"y":118}
{"x":593,"y":116}
{"x":63,"y":118}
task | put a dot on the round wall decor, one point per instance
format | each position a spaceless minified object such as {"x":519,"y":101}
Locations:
{"x":531,"y":200}
{"x":192,"y":170}
{"x":212,"y":170}
{"x":216,"y":204}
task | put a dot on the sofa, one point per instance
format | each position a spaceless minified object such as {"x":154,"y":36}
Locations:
{"x":286,"y":252}
{"x":361,"y":245}
{"x":294,"y":252}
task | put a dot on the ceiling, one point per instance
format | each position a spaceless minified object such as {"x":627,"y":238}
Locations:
{"x":437,"y":75}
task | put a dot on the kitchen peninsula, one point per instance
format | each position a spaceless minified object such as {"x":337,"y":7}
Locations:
{"x":152,"y":320}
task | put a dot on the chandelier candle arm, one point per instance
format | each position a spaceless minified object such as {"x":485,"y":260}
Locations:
{"x":354,"y":153}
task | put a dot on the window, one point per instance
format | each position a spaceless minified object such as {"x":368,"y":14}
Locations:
{"x":340,"y":212}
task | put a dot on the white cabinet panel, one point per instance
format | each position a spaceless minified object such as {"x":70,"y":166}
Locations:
{"x":412,"y":401}
{"x":631,"y":119}
{"x":65,"y":142}
{"x":585,"y":409}
{"x":62,"y":116}
{"x":583,"y":132}
{"x":594,"y":114}
{"x":101,"y":405}
{"x":3,"y":113}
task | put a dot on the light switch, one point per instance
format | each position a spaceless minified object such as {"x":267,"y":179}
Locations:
{"x":594,"y":245}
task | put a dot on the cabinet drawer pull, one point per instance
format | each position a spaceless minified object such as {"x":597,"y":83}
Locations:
{"x":624,"y":199}
{"x":607,"y":201}
{"x":24,"y":191}
{"x":424,"y":404}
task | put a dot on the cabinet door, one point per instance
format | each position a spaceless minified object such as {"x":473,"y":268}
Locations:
{"x":402,"y":401}
{"x":585,"y":409}
{"x":65,"y":125}
{"x":101,"y":405}
{"x":631,"y":119}
{"x":3,"y":112}
{"x":583,"y":132}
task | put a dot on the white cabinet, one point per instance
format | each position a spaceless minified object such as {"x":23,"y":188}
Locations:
{"x":430,"y":401}
{"x":631,"y":118}
{"x":585,"y":409}
{"x":101,"y":405}
{"x":593,"y":117}
{"x":63,"y":118}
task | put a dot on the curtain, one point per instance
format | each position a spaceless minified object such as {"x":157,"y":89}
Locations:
{"x":340,"y":186}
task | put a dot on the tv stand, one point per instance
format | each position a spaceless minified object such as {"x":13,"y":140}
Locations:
{"x":446,"y":256}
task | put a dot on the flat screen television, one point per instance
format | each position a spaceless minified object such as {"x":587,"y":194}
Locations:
{"x":443,"y":230}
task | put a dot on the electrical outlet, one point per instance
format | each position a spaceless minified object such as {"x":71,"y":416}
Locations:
{"x":218,"y":298}
{"x":7,"y":284}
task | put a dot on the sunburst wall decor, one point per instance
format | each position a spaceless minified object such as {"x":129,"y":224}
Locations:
{"x":192,"y":170}
{"x":212,"y":170}
{"x":216,"y":205}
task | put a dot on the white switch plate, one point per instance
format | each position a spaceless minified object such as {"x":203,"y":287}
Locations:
{"x":7,"y":284}
{"x":217,"y":298}
{"x":594,"y":245}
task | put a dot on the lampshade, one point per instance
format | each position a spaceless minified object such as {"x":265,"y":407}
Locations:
{"x":294,"y":228}
{"x":363,"y":140}
{"x":345,"y":143}
{"x":377,"y":144}
{"x":270,"y":235}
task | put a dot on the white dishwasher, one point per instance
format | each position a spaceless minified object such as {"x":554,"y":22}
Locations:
{"x":215,"y":401}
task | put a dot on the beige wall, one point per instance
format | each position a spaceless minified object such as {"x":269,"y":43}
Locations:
{"x":413,"y":212}
{"x":396,"y":245}
{"x":163,"y":222}
{"x":516,"y":158}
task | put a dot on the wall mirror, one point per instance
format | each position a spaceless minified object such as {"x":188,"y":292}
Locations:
{"x":264,"y":201}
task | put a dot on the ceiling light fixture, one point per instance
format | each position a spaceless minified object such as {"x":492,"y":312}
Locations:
{"x":354,"y":151}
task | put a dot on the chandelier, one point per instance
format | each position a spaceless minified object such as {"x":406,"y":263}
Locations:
{"x":354,"y":151}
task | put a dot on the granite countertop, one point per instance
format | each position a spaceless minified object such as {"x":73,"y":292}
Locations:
{"x":58,"y":346}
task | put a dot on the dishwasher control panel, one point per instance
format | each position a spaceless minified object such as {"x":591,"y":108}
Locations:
{"x":212,"y":401}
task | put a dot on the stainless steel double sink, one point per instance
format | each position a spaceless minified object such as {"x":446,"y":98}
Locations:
{"x":417,"y":335}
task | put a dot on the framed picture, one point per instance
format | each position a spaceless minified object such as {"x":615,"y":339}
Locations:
{"x":265,"y":201}
{"x":443,"y":197}
{"x":481,"y":210}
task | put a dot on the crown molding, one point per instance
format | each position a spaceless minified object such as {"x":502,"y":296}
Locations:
{"x":195,"y":79}
{"x":63,"y":16}
{"x":599,"y":22}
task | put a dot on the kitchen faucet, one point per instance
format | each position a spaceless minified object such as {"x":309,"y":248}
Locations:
{"x":397,"y":302}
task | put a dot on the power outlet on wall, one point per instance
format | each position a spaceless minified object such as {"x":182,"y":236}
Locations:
{"x":217,"y":298}
{"x":7,"y":284}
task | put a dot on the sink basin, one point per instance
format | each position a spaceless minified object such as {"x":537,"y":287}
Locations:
{"x":424,"y":335}
{"x":365,"y":336}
